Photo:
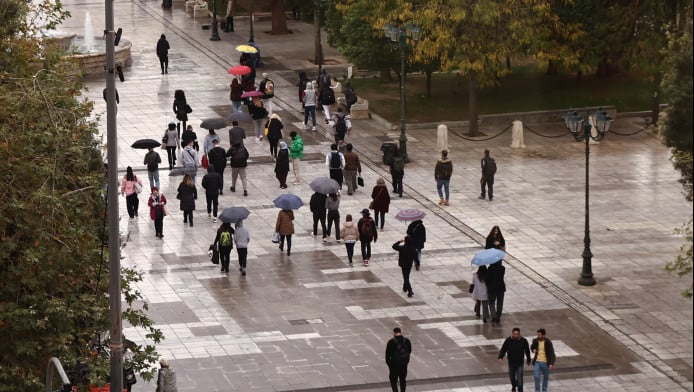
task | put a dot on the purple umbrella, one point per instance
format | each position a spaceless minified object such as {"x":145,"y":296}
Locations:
{"x":410,"y":214}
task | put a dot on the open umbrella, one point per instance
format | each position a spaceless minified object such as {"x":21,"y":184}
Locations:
{"x":488,"y":256}
{"x":234,"y":214}
{"x":180,"y":171}
{"x":240,"y":116}
{"x":246,"y":49}
{"x":324,"y":185}
{"x":253,"y":93}
{"x":288,"y":201}
{"x":146,"y":143}
{"x":410,"y":214}
{"x":239,"y":70}
{"x":213,"y":123}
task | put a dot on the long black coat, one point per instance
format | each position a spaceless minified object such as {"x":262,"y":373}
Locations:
{"x":187,"y":194}
{"x":282,"y":163}
{"x":211,"y":182}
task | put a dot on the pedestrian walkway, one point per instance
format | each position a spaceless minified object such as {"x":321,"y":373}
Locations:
{"x":310,"y":322}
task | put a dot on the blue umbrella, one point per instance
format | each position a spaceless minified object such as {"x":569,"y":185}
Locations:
{"x":288,"y":201}
{"x":234,"y":214}
{"x":488,"y":256}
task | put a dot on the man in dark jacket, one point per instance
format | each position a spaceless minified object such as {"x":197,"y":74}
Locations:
{"x":211,"y":182}
{"x":496,"y":287}
{"x":218,"y":158}
{"x":187,"y":136}
{"x":398,"y":352}
{"x":236,"y":134}
{"x":543,"y":359}
{"x":317,"y":205}
{"x":163,"y":53}
{"x":418,"y":233}
{"x":407,"y":254}
{"x":488,"y":170}
{"x":515,"y":346}
{"x":238,"y":161}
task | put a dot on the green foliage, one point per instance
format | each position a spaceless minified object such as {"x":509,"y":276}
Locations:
{"x":53,"y":288}
{"x":682,"y":265}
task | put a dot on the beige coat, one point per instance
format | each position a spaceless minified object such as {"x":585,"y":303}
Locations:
{"x":349,"y":231}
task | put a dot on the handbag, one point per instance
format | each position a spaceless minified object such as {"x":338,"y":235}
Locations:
{"x":138,"y":187}
{"x":371,"y":205}
{"x":214,"y":254}
{"x":189,"y":109}
{"x":471,"y":288}
{"x":360,"y":181}
{"x":129,"y":376}
{"x":276,"y":237}
{"x":205,"y":162}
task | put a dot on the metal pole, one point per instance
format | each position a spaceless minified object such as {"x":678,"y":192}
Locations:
{"x":112,"y":209}
{"x":250,"y":16}
{"x":215,"y":32}
{"x":318,"y":45}
{"x":403,"y":134}
{"x":587,"y":271}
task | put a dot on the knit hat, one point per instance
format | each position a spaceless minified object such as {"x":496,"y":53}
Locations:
{"x":365,"y":211}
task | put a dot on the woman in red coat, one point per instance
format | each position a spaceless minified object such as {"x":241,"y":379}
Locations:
{"x":157,"y":210}
{"x":380,"y":202}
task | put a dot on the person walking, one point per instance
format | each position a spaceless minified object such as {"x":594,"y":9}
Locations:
{"x":296,"y":152}
{"x":238,"y":160}
{"x":352,"y":168}
{"x":380,"y":201}
{"x":163,"y":53}
{"x":236,"y":134}
{"x":259,"y":114}
{"x":129,"y":188}
{"x":208,"y":144}
{"x":267,"y":87}
{"x":217,"y":158}
{"x":285,"y":226}
{"x":157,"y":211}
{"x":418,"y":233}
{"x":282,"y":165}
{"x":488,"y":170}
{"x":274,"y":133}
{"x":398,"y":351}
{"x":543,"y":360}
{"x":326,"y":96}
{"x":332,"y":204}
{"x":225,"y":243}
{"x":479,"y":292}
{"x":495,"y":239}
{"x":211,"y":182}
{"x":350,"y":234}
{"x":335,"y":161}
{"x":407,"y":253}
{"x":442,"y":174}
{"x":235,"y":93}
{"x":309,"y":102}
{"x":515,"y":346}
{"x":152,"y":161}
{"x":170,"y":139}
{"x":317,"y":205}
{"x":190,"y":160}
{"x":397,"y":171}
{"x":341,"y":125}
{"x":301,"y":84}
{"x":166,"y":379}
{"x":187,"y":194}
{"x":367,"y":233}
{"x":496,"y":288}
{"x":188,"y":135}
{"x":181,"y":108}
{"x":242,"y":239}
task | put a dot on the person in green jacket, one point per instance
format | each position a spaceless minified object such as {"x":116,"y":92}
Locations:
{"x":296,"y":152}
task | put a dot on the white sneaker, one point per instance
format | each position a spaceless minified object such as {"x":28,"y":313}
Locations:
{"x":325,"y":239}
{"x":214,"y":220}
{"x":257,"y":138}
{"x":313,"y":129}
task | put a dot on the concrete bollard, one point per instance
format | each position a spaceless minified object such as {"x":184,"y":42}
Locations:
{"x":517,"y":135}
{"x":441,"y":137}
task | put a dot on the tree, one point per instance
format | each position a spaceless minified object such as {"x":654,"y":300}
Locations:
{"x":53,"y":289}
{"x":279,"y":17}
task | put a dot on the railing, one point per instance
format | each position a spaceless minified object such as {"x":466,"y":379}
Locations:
{"x":54,"y":363}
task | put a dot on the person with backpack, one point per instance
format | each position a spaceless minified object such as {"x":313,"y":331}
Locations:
{"x":442,"y":174}
{"x":488,"y":170}
{"x":407,"y":254}
{"x":224,"y":241}
{"x":335,"y":161}
{"x":341,"y":125}
{"x":418,"y":233}
{"x":152,"y":160}
{"x":317,"y":205}
{"x":398,"y":351}
{"x":367,"y":233}
{"x":380,"y":201}
{"x":397,"y":172}
{"x":267,"y":87}
{"x":350,"y":95}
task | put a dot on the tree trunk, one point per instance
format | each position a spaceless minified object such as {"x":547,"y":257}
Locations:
{"x":279,"y":17}
{"x":428,"y":73}
{"x":318,"y":46}
{"x":655,"y":105}
{"x":385,"y":75}
{"x":472,"y":96}
{"x":552,"y":68}
{"x":508,"y":62}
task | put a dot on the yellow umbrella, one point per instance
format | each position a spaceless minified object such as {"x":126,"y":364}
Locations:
{"x":246,"y":49}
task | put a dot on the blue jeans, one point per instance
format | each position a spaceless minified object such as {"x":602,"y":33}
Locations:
{"x":236,"y":105}
{"x":515,"y":373}
{"x":310,"y":110}
{"x":153,"y":178}
{"x":541,"y":370}
{"x":443,"y":184}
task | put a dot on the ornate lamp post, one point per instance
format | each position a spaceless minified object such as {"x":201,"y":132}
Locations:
{"x":583,"y":130}
{"x":215,"y":32}
{"x":400,"y":36}
{"x":250,"y":18}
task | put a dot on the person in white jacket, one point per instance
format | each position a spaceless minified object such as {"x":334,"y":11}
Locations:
{"x":242,"y":239}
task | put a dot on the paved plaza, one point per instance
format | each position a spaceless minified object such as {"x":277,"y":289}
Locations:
{"x":311,"y":322}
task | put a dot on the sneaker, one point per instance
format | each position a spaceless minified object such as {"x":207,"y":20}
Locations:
{"x":245,"y":192}
{"x":481,"y":197}
{"x":257,"y":138}
{"x":260,"y":137}
{"x":410,"y":294}
{"x":350,"y":264}
{"x":325,"y":239}
{"x":214,"y":220}
{"x":209,"y":215}
{"x":243,"y":271}
{"x":314,"y":129}
{"x":339,"y":240}
{"x":231,"y":188}
{"x":366,"y":263}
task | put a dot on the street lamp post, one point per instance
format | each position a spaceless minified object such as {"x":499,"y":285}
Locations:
{"x":581,"y":129}
{"x":250,"y":18}
{"x":215,"y":32}
{"x":400,"y":36}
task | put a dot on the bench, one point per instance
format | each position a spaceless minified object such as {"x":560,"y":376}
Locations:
{"x":360,"y":110}
{"x":199,"y":8}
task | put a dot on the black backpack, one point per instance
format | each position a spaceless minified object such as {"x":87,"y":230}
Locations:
{"x":335,"y":161}
{"x":367,"y":228}
{"x":340,"y":125}
{"x":350,"y":95}
{"x":401,"y":352}
{"x":398,"y":164}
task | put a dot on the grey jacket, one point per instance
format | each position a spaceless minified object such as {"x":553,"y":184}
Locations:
{"x":242,"y":237}
{"x":166,"y":381}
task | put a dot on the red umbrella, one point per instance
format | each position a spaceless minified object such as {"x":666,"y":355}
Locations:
{"x":252,"y":94}
{"x":239,"y":70}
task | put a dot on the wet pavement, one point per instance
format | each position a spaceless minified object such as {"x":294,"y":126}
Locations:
{"x":310,"y":322}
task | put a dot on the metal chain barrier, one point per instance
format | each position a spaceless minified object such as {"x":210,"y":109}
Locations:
{"x":485,"y":139}
{"x":529,"y":128}
{"x":628,"y":134}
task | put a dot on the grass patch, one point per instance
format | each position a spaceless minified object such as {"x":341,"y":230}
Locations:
{"x":526,"y":90}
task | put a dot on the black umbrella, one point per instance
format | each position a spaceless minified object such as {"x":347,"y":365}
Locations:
{"x":240,"y":116}
{"x":146,"y":143}
{"x":213,"y":123}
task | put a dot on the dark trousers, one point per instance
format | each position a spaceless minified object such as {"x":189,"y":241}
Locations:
{"x":221,"y":180}
{"x":406,"y":279}
{"x":171,"y":152}
{"x":159,"y":226}
{"x":366,"y":250}
{"x":164,"y":63}
{"x":496,"y":304}
{"x":224,"y":257}
{"x":338,"y":137}
{"x":230,"y":24}
{"x":319,"y":218}
{"x":188,"y":216}
{"x":336,"y":174}
{"x":398,"y":372}
{"x":379,"y":215}
{"x":489,"y":183}
{"x":289,"y":242}
{"x":243,"y":256}
{"x":515,"y":373}
{"x":397,"y":182}
{"x":282,"y":178}
{"x":132,"y":203}
{"x":273,"y":146}
{"x":350,"y":251}
{"x":334,"y":217}
{"x":212,"y":202}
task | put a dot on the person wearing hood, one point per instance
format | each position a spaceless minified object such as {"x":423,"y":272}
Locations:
{"x":407,"y":253}
{"x":350,"y":234}
{"x":309,"y":100}
{"x":282,"y":165}
{"x":418,"y":234}
{"x":442,"y":173}
{"x":274,"y":133}
{"x":242,"y":239}
{"x":211,"y":182}
{"x":189,"y":157}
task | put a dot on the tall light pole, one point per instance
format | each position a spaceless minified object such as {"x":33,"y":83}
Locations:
{"x":318,"y":45}
{"x":215,"y":32}
{"x":400,"y":36}
{"x":250,"y":18}
{"x":581,"y":129}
